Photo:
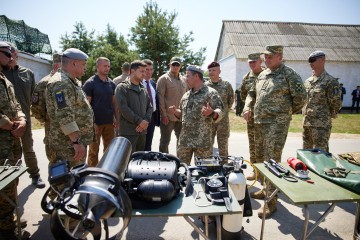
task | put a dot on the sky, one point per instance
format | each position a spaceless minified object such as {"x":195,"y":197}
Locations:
{"x":202,"y":17}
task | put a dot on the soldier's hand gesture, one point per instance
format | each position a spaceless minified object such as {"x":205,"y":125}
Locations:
{"x":207,"y":110}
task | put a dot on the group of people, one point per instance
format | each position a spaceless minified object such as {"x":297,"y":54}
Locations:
{"x":272,"y":95}
{"x":77,"y":117}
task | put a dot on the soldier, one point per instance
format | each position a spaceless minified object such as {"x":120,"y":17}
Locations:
{"x":278,"y":93}
{"x":238,"y":103}
{"x":323,"y":103}
{"x":133,"y":107}
{"x":200,"y":107}
{"x":171,"y":87}
{"x":71,"y":117}
{"x":24,"y":83}
{"x":38,"y":106}
{"x":221,"y":129}
{"x":100,"y":91}
{"x":12,"y":126}
{"x":254,"y":61}
{"x":125,"y":73}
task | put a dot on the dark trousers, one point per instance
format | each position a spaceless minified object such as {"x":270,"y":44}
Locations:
{"x":150,"y":134}
{"x":357,"y":101}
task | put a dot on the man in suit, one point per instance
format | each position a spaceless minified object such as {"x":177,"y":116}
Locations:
{"x":150,"y":86}
{"x":355,"y":99}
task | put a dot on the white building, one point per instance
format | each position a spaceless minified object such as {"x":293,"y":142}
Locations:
{"x":341,"y":44}
{"x":40,"y":66}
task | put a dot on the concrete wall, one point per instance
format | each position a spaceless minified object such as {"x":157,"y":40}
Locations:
{"x":233,"y":70}
{"x":40,"y":66}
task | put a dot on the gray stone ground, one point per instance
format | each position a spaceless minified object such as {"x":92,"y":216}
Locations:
{"x":286,"y":223}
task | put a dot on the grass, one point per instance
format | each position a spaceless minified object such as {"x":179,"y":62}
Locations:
{"x":344,"y":123}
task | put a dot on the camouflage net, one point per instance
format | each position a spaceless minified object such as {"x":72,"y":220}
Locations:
{"x":26,"y":39}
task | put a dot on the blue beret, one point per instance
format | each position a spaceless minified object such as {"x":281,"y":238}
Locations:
{"x":317,"y":54}
{"x":75,"y":53}
{"x":194,"y":68}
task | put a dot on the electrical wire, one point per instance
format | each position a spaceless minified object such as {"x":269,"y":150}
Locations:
{"x":256,"y":174}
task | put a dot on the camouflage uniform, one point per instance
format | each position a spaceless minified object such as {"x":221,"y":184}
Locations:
{"x":239,"y":105}
{"x":246,"y":83}
{"x":274,"y":97}
{"x":323,"y":103}
{"x":24,"y":83}
{"x":38,"y":107}
{"x":195,"y":135}
{"x":69,"y":111}
{"x":222,"y":128}
{"x":9,"y":148}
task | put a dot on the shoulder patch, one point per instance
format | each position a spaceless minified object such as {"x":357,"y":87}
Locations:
{"x":35,"y":98}
{"x":298,"y":87}
{"x":336,"y":90}
{"x":60,"y":99}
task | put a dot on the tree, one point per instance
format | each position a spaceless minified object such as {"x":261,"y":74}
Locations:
{"x":80,"y":38}
{"x":110,"y":45}
{"x":156,"y":38}
{"x":113,"y":46}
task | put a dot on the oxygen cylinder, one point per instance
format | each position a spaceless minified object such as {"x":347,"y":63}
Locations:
{"x":232,"y":223}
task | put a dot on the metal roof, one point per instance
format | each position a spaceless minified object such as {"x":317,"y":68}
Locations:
{"x":339,"y":42}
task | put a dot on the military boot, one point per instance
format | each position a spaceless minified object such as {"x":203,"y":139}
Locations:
{"x":37,"y":181}
{"x":270,"y":208}
{"x":258,"y":195}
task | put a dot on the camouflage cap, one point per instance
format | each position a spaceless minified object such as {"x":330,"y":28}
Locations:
{"x":75,"y":53}
{"x":12,"y":47}
{"x":274,"y":49}
{"x":126,"y":66}
{"x":56,"y":58}
{"x":5,"y":46}
{"x":254,"y":57}
{"x":194,"y":68}
{"x":175,"y":59}
{"x":213,"y":64}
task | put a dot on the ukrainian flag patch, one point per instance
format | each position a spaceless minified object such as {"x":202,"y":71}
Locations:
{"x":60,"y":99}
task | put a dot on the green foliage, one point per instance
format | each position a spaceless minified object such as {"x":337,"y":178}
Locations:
{"x":156,"y":38}
{"x":109,"y":44}
{"x":80,"y":38}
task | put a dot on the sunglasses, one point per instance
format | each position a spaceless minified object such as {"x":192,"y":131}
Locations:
{"x":7,"y":54}
{"x":175,"y":64}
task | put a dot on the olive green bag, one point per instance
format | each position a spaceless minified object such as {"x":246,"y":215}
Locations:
{"x":331,"y":168}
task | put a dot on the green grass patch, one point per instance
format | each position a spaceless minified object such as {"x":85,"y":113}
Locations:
{"x":344,"y":123}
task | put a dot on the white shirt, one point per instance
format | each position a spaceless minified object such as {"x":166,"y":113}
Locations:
{"x":153,"y":93}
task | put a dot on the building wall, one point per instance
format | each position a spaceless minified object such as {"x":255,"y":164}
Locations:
{"x":41,"y":67}
{"x":233,"y":70}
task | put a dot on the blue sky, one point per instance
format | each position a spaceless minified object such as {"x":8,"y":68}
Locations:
{"x":203,"y":17}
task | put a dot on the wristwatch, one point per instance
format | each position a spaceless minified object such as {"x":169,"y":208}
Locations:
{"x":77,"y":141}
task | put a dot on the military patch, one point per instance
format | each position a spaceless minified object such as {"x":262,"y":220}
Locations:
{"x":298,"y":87}
{"x":60,"y":99}
{"x":35,"y":98}
{"x":336,"y":90}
